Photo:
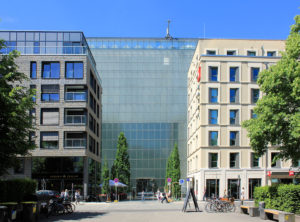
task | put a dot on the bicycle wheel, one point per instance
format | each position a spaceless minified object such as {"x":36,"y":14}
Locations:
{"x":231,"y":207}
{"x":73,"y":207}
{"x":68,"y":209}
{"x":209,"y":207}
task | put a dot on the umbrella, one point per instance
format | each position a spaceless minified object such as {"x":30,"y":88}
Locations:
{"x":114,"y":184}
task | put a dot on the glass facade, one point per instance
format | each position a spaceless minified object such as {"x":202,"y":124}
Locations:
{"x":144,"y":95}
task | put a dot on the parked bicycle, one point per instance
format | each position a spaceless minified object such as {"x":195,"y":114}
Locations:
{"x":220,"y":205}
{"x":59,"y":206}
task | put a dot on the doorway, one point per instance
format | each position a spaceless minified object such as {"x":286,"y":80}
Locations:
{"x":212,"y":188}
{"x":234,"y":188}
{"x":252,"y":184}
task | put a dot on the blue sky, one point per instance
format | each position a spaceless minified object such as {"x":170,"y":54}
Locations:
{"x":253,"y":19}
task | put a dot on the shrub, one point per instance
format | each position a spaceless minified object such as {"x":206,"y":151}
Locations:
{"x":15,"y":190}
{"x":279,"y":197}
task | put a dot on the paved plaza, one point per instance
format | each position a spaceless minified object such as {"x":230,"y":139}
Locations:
{"x":146,"y":211}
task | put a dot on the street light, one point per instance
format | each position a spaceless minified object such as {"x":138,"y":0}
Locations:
{"x":238,"y":194}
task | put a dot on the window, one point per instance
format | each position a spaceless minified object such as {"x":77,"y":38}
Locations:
{"x":97,"y":130}
{"x":213,"y":160}
{"x":49,"y":140}
{"x":254,"y":160}
{"x":32,"y":114}
{"x":231,"y":52}
{"x":254,"y":95}
{"x":234,"y":96}
{"x":234,"y":160}
{"x":36,"y":48}
{"x":213,"y":95}
{"x":211,"y":52}
{"x":74,"y":70}
{"x":254,"y":74}
{"x":19,"y":166}
{"x":213,"y":116}
{"x":49,"y":116}
{"x":93,"y":82}
{"x":234,"y":120}
{"x":33,"y":70}
{"x":253,"y":114}
{"x":234,"y":77}
{"x":251,"y":53}
{"x":271,"y":53}
{"x":213,"y":138}
{"x":33,"y":87}
{"x":296,"y":163}
{"x":233,"y":138}
{"x":50,"y":70}
{"x":274,"y":161}
{"x":213,"y":74}
{"x":50,"y":93}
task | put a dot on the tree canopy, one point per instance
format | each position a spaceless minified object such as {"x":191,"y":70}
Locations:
{"x":278,"y":111}
{"x":105,"y":178}
{"x":121,"y":166}
{"x":15,"y":120}
{"x":173,"y":170}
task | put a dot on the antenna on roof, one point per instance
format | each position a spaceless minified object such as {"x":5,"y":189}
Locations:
{"x":168,"y":36}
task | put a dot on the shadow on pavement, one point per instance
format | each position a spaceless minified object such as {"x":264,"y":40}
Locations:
{"x":75,"y":216}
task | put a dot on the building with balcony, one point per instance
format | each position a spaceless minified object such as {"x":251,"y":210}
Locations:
{"x":68,"y":108}
{"x":144,"y":96}
{"x":222,"y":92}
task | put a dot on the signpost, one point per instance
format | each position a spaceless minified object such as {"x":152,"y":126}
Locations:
{"x":169,"y":180}
{"x":181,"y":181}
{"x":291,"y":173}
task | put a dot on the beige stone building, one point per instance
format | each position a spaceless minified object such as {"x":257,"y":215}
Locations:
{"x":219,"y":156}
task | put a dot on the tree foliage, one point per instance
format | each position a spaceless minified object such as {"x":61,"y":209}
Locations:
{"x":173,"y":171}
{"x":15,"y":120}
{"x":278,"y":112}
{"x":121,"y":166}
{"x":105,"y":178}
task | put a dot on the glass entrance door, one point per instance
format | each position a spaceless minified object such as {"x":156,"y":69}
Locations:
{"x":212,"y":188}
{"x":234,"y":188}
{"x":252,"y":184}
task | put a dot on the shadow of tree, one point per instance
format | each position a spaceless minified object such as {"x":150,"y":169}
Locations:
{"x":74,"y":216}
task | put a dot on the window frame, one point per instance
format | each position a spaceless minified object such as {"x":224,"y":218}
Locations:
{"x":73,"y":74}
{"x":31,"y":70}
{"x":49,"y":63}
{"x":210,"y":138}
{"x":210,"y":161}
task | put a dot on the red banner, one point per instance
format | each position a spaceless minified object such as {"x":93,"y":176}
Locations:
{"x":291,"y":173}
{"x":269,"y":173}
{"x":199,"y":74}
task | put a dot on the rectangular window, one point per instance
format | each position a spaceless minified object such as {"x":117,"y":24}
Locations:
{"x":254,"y":160}
{"x":211,"y":52}
{"x":213,"y":138}
{"x":49,"y":116}
{"x":254,"y":95}
{"x":231,"y":52}
{"x":33,"y":70}
{"x":36,"y":48}
{"x":254,"y":74}
{"x":50,"y":93}
{"x":251,"y":53}
{"x":213,"y":74}
{"x":275,"y":161}
{"x":234,"y":96}
{"x":234,"y":138}
{"x":234,"y":160}
{"x":213,"y":160}
{"x":234,"y":77}
{"x":271,"y":53}
{"x":98,"y":92}
{"x":253,"y":114}
{"x":213,"y":95}
{"x":49,"y":140}
{"x":19,"y":166}
{"x":74,"y":70}
{"x":50,"y":70}
{"x":33,"y":87}
{"x":234,"y":120}
{"x":213,"y":116}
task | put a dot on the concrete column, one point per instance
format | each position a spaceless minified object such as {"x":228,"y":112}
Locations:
{"x":223,"y":182}
{"x":85,"y":176}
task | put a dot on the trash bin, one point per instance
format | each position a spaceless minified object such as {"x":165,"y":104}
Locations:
{"x":29,"y":212}
{"x":11,"y":210}
{"x":3,"y":213}
{"x":261,"y":208}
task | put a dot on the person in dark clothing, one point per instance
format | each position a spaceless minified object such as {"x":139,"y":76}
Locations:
{"x":164,"y":198}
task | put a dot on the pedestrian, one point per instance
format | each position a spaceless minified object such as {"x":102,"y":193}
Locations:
{"x":164,"y":198}
{"x":66,"y":195}
{"x":62,"y":194}
{"x":143,"y":195}
{"x":242,"y":195}
{"x":77,"y":196}
{"x":158,"y":195}
{"x":204,"y":194}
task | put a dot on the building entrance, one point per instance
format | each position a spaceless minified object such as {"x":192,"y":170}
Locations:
{"x":212,"y":188}
{"x":148,"y":185}
{"x":234,"y":188}
{"x":252,"y":184}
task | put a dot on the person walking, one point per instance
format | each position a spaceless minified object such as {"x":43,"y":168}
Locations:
{"x":164,"y":198}
{"x":77,"y":196}
{"x":204,"y":194}
{"x":66,"y":195}
{"x":242,"y":195}
{"x":143,"y":195}
{"x":158,"y":195}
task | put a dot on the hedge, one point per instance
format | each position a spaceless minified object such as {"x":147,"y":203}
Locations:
{"x":285,"y":197}
{"x":16,"y":190}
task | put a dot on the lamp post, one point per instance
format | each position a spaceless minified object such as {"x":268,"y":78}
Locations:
{"x":238,"y":194}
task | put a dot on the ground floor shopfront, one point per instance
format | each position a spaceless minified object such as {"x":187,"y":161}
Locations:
{"x":239,"y":183}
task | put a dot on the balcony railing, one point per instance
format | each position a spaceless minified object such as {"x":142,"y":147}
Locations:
{"x":75,"y":96}
{"x":75,"y":119}
{"x":75,"y":143}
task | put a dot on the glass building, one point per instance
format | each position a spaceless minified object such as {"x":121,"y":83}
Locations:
{"x":144,"y":95}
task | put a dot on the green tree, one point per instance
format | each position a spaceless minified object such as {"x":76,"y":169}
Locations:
{"x":173,"y":171}
{"x":278,"y":112}
{"x":121,"y":165}
{"x":105,"y":178}
{"x":15,"y":120}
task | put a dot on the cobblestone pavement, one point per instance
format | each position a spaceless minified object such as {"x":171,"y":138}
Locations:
{"x":146,"y":211}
